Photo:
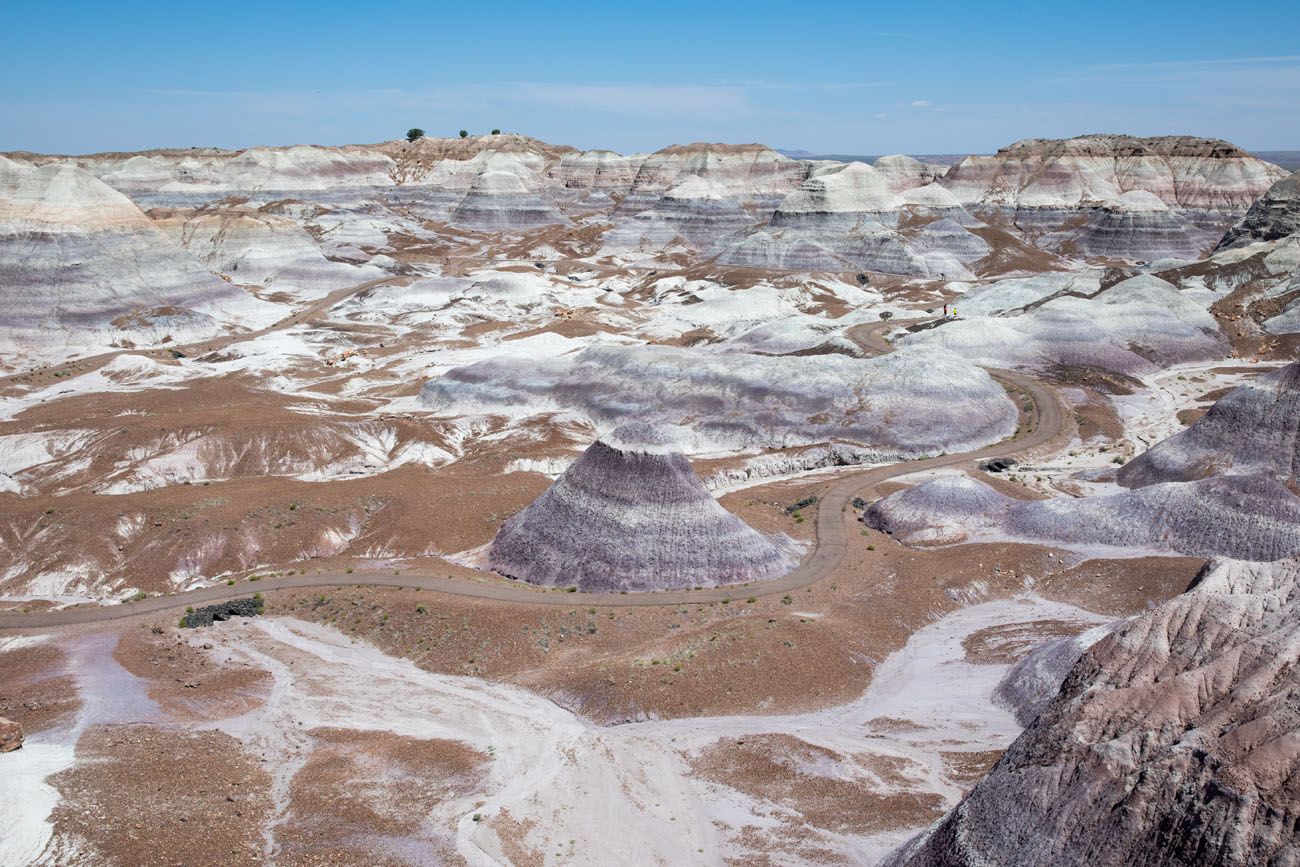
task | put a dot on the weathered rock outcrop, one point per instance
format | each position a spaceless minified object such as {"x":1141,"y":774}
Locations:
{"x":1172,"y":743}
{"x":1276,"y":214}
{"x":1142,"y":198}
{"x":1031,"y":684}
{"x":209,"y":614}
{"x":1254,"y":429}
{"x":698,"y":194}
{"x":11,"y":735}
{"x":1247,"y":517}
{"x":631,"y":514}
{"x":852,"y":216}
{"x":1185,"y":172}
{"x":910,"y":402}
{"x":254,"y":247}
{"x":1136,"y":326}
{"x":500,"y":200}
{"x":81,"y":265}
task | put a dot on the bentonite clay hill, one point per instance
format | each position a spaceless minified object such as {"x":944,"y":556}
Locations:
{"x":1253,"y":430}
{"x":631,"y":514}
{"x":1172,"y":742}
{"x":1274,"y":215}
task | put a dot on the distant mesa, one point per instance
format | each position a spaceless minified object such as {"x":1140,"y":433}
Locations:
{"x":1115,"y":196}
{"x":631,"y":514}
{"x":1118,"y":145}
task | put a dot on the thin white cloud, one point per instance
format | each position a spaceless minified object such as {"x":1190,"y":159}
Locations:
{"x":1279,"y":69}
{"x":921,"y":103}
{"x":637,"y":99}
{"x":809,"y":86}
{"x":1215,"y":61}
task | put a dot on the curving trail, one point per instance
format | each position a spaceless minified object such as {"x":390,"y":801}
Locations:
{"x":834,"y":516}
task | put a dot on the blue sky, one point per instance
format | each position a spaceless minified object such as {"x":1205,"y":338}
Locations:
{"x":832,"y":77}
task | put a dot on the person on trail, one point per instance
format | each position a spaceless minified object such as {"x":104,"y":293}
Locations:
{"x":945,"y":310}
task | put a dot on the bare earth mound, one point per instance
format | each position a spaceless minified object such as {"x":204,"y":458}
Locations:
{"x":1172,"y":742}
{"x":1255,"y":429}
{"x":631,"y":514}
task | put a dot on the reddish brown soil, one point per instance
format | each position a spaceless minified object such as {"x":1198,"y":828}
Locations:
{"x":187,"y":682}
{"x":512,"y":832}
{"x":1121,"y":587}
{"x":777,"y":769}
{"x":152,"y":795}
{"x":35,"y":690}
{"x":1004,"y":644}
{"x":969,"y":768}
{"x":360,"y":792}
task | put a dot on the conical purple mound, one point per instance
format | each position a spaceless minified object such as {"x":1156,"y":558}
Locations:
{"x":631,"y":514}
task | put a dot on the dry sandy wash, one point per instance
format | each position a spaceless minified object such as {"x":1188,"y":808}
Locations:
{"x":704,"y":506}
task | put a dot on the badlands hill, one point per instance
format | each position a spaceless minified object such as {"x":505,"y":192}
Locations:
{"x":910,"y":403}
{"x":1181,"y":171}
{"x":81,"y":264}
{"x":1034,"y":204}
{"x":1253,"y":430}
{"x":1134,"y":326}
{"x":1171,"y":742}
{"x":1274,"y":215}
{"x":631,"y":515}
{"x":1223,"y":487}
{"x":1246,"y":517}
{"x":1107,"y":146}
